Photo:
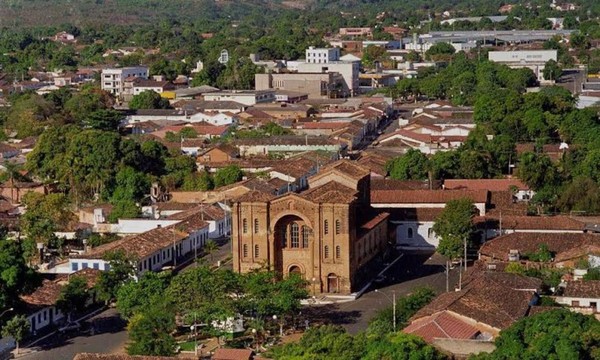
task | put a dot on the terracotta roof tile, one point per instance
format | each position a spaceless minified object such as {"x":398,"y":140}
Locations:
{"x":350,"y":168}
{"x":529,"y":242}
{"x":426,"y":196}
{"x":331,"y":192}
{"x":442,"y":325}
{"x":511,"y":222}
{"x":390,"y":184}
{"x":255,"y":196}
{"x":91,"y":356}
{"x":233,"y":354}
{"x":583,"y":289}
{"x":484,"y":184}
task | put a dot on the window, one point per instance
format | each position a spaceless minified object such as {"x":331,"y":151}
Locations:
{"x":284,"y":239}
{"x":256,"y":226}
{"x":256,"y":251}
{"x":338,"y":227}
{"x":245,"y":250}
{"x":326,"y":227}
{"x":245,"y":226}
{"x":74,"y":266}
{"x":338,"y":252}
{"x":326,"y":252}
{"x":430,"y":233}
{"x":409,"y":233}
{"x":96,"y":266}
{"x":575,"y":303}
{"x":295,"y":236}
{"x":106,"y":266}
{"x":305,"y":232}
{"x":84,"y":265}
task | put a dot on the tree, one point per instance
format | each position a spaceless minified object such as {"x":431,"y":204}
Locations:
{"x":45,"y":214}
{"x":554,"y":334}
{"x":121,"y":270}
{"x":107,"y":120}
{"x":201,"y":181}
{"x":150,"y":331}
{"x":454,"y":227}
{"x":401,"y":346}
{"x":29,"y":114}
{"x":123,"y":209}
{"x":406,"y":307}
{"x":136,"y":296}
{"x":130,"y":185}
{"x":266,"y":294}
{"x":15,"y":276}
{"x":228,"y":175}
{"x":413,"y":165}
{"x":373,"y":54}
{"x":209,"y":248}
{"x":440,"y":51}
{"x":73,"y":296}
{"x":17,"y":328}
{"x":537,"y":171}
{"x":551,"y":70}
{"x":148,"y":100}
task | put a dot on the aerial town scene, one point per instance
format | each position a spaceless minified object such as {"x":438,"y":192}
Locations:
{"x":299,"y":179}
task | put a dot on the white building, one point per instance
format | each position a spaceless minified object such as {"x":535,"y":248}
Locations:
{"x":246,"y":97}
{"x":532,"y":59}
{"x":113,"y":80}
{"x":322,"y":55}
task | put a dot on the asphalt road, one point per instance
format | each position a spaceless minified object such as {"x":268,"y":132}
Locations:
{"x":412,"y":271}
{"x":110,"y":337}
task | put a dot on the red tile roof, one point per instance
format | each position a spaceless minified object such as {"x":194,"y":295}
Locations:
{"x":442,"y":325}
{"x":233,"y":354}
{"x":528,"y":242}
{"x":583,"y":289}
{"x":558,"y":222}
{"x":426,"y":196}
{"x":484,"y":184}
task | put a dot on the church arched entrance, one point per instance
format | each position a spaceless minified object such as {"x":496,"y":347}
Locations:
{"x":292,"y":238}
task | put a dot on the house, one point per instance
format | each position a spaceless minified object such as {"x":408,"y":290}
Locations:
{"x":286,"y":144}
{"x":521,"y":192}
{"x":165,"y":209}
{"x":220,"y":153}
{"x":219,"y":220}
{"x":41,"y":303}
{"x":414,"y":212}
{"x":581,"y":296}
{"x":566,"y":248}
{"x":488,"y":302}
{"x":356,"y":32}
{"x":294,"y":172}
{"x":492,"y":226}
{"x":426,"y":143}
{"x":153,"y":249}
{"x":245,"y":97}
{"x":15,"y":190}
{"x":159,"y":87}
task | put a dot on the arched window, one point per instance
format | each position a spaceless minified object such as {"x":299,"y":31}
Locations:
{"x":245,"y":226}
{"x":305,"y":233}
{"x":256,"y":251}
{"x":409,"y":233}
{"x":256,"y":226}
{"x":338,"y":227}
{"x":338,"y":252}
{"x":326,"y":252}
{"x":326,"y":227}
{"x":295,"y":235}
{"x":245,"y":250}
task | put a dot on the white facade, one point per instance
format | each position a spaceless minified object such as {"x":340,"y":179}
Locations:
{"x":532,"y":59}
{"x":112,"y":80}
{"x":322,"y":55}
{"x":212,"y":118}
{"x":248,"y":98}
{"x":140,"y":89}
{"x":44,"y":317}
{"x":415,"y":234}
{"x":580,"y":304}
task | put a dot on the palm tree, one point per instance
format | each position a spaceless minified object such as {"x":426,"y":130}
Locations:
{"x":210,"y":247}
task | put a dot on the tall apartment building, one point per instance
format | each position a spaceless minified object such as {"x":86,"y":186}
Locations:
{"x":113,"y":80}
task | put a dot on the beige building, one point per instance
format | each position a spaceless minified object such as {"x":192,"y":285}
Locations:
{"x":326,"y":233}
{"x":316,"y":85}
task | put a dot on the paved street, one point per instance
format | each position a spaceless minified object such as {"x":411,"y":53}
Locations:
{"x":412,"y":271}
{"x":110,"y":337}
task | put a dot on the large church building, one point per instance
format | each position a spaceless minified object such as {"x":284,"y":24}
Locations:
{"x":326,"y":233}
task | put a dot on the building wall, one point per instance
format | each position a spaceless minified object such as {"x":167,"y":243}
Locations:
{"x":44,"y":317}
{"x":593,"y":304}
{"x":415,"y":234}
{"x":348,"y":70}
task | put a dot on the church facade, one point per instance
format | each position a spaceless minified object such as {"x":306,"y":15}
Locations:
{"x":326,"y":233}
